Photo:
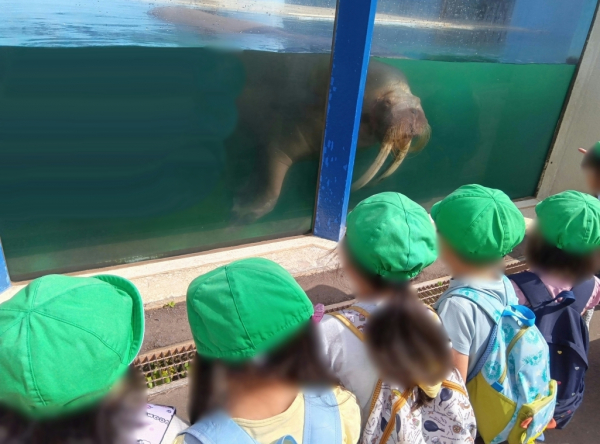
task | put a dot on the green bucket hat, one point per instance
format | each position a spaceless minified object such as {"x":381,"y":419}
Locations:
{"x":66,"y":341}
{"x":391,"y":236}
{"x":244,"y":309}
{"x":571,"y":221}
{"x":481,"y":224}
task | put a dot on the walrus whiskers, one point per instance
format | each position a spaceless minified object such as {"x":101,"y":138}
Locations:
{"x":386,"y":148}
{"x":414,"y":145}
{"x":419,"y":142}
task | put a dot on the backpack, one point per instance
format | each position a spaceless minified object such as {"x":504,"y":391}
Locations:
{"x":393,"y":418}
{"x":510,"y":386}
{"x":567,"y":336}
{"x":322,"y":424}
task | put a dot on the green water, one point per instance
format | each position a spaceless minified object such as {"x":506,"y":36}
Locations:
{"x":114,"y":155}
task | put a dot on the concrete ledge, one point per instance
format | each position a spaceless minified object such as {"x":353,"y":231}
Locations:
{"x":527,"y":207}
{"x":167,"y":279}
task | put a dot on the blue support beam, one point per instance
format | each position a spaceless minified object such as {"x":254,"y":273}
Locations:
{"x":4,"y":278}
{"x":349,"y":64}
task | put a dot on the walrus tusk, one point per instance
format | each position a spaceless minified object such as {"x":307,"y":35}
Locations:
{"x":375,"y":167}
{"x":397,"y":161}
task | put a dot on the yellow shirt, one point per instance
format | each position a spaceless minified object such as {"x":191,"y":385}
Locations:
{"x":291,"y":422}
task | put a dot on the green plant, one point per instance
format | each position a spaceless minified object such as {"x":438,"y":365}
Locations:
{"x":167,"y":370}
{"x":169,"y":305}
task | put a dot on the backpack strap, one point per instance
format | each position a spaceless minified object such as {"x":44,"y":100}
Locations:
{"x":359,"y":334}
{"x":491,"y":306}
{"x":532,"y":287}
{"x":218,"y":428}
{"x":360,"y":310}
{"x":483,"y":359}
{"x":322,"y":423}
{"x":583,"y":292}
{"x":401,"y":400}
{"x":538,"y":294}
{"x":344,"y":320}
{"x":495,"y":310}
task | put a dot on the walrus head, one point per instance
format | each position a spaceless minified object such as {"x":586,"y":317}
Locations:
{"x":393,"y":117}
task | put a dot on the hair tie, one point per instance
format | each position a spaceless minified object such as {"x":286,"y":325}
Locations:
{"x":319,"y":313}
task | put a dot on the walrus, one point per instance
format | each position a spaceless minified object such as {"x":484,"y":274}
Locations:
{"x":283,"y":105}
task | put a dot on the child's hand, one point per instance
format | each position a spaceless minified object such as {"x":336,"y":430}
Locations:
{"x":582,"y":150}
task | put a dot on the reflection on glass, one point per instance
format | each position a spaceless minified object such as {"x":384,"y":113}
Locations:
{"x":132,"y":130}
{"x":491,"y":76}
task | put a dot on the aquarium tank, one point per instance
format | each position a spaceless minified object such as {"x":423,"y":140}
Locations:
{"x":134,"y":130}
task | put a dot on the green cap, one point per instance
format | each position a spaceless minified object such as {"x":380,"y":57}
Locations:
{"x":571,"y":221}
{"x":66,"y":341}
{"x":595,"y":149}
{"x":244,"y":309}
{"x":391,"y":236}
{"x":481,"y":224}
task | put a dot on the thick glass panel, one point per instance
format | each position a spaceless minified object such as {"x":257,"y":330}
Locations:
{"x":132,"y":130}
{"x":483,"y":86}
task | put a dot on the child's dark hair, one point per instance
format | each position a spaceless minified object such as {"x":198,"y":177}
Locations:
{"x":591,"y":160}
{"x":405,"y":340}
{"x":112,"y":421}
{"x":299,"y":361}
{"x":408,"y":344}
{"x":542,"y":255}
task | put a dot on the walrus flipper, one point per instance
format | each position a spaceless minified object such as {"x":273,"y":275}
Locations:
{"x":260,"y":196}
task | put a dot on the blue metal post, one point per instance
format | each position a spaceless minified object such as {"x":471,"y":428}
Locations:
{"x":4,"y":279}
{"x":349,"y":64}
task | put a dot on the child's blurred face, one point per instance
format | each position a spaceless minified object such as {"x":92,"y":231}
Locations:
{"x":459,"y":267}
{"x":592,"y":180}
{"x":362,"y":288}
{"x":450,"y":258}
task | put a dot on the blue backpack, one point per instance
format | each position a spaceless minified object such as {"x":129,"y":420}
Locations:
{"x":567,"y":336}
{"x":322,"y":424}
{"x":510,"y":387}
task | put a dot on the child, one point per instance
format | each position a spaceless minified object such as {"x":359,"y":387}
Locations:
{"x":67,"y":345}
{"x":477,"y":227}
{"x":259,"y":375}
{"x":591,"y":167}
{"x":389,"y":240}
{"x":561,"y":286}
{"x":492,"y":337}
